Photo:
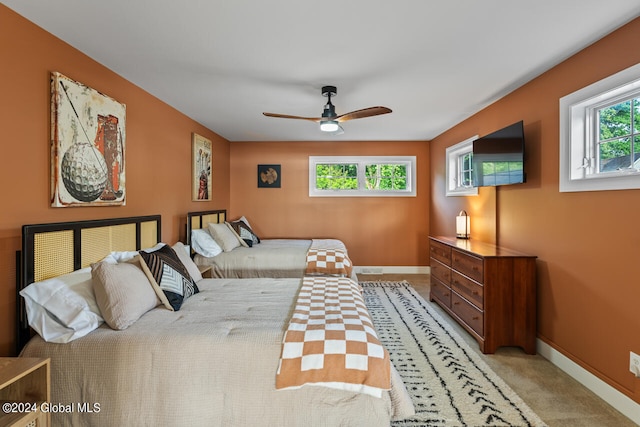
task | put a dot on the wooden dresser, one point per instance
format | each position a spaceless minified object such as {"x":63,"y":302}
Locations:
{"x":489,"y":290}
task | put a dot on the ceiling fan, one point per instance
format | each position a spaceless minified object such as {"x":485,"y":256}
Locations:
{"x":329,"y":121}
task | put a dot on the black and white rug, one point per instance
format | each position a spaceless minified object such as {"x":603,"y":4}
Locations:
{"x":449,"y":383}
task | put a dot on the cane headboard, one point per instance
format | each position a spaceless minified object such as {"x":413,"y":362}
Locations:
{"x":201,"y":219}
{"x":50,"y":250}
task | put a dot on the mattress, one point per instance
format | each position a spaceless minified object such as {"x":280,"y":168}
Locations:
{"x":212,"y":363}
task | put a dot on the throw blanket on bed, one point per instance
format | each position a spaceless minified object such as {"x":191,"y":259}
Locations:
{"x":328,"y":257}
{"x":331,"y":341}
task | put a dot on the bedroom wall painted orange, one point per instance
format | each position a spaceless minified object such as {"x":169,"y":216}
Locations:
{"x":588,"y":243}
{"x":158,"y":149}
{"x":379,"y":231}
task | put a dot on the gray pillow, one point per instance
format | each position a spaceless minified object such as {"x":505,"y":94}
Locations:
{"x":123,"y":293}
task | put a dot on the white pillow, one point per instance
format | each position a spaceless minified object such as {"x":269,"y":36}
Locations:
{"x":63,"y":308}
{"x":224,"y":236}
{"x":203,"y":243}
{"x":125,"y":256}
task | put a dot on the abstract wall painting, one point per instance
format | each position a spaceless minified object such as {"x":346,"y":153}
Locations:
{"x":269,"y":176}
{"x":201,"y":164}
{"x":87,"y":146}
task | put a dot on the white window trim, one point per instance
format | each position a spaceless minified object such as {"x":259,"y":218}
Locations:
{"x":452,"y":173}
{"x":411,"y":176}
{"x":576,"y":128}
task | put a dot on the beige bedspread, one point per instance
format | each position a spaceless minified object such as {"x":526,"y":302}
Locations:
{"x":212,"y":363}
{"x":269,"y":258}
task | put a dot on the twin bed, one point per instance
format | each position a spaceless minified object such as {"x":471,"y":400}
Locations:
{"x":265,"y":258}
{"x":215,"y":361}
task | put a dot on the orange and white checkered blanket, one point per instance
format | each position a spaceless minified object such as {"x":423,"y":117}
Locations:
{"x":331,"y":341}
{"x":328,"y":257}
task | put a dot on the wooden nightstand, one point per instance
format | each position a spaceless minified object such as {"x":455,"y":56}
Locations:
{"x":24,"y":386}
{"x":205,"y":270}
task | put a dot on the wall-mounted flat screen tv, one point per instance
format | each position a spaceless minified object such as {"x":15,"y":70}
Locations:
{"x":498,"y":158}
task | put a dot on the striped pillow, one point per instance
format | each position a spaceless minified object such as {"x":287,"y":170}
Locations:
{"x":168,"y":276}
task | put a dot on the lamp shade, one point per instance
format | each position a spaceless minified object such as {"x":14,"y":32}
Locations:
{"x":329,"y":126}
{"x":463,"y":222}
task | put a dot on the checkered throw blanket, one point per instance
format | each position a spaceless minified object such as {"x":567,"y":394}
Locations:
{"x":331,"y":341}
{"x":328,"y":257}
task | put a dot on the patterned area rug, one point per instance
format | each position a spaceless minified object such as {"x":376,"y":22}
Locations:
{"x":449,"y":383}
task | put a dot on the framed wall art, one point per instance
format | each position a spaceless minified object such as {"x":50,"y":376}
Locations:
{"x":87,"y":146}
{"x":269,"y":176}
{"x":201,"y":165}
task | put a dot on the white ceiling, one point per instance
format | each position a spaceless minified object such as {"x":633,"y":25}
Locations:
{"x":223,"y":63}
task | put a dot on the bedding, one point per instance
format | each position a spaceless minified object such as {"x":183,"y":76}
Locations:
{"x":251,"y":256}
{"x":331,"y":340}
{"x":328,"y":257}
{"x":212,"y":363}
{"x":168,"y":276}
{"x":270,"y":258}
{"x":62,"y":309}
{"x":123,"y":293}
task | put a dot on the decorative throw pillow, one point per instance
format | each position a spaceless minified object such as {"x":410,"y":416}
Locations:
{"x":185,"y":259}
{"x":123,"y":293}
{"x":245,"y":232}
{"x":169,"y":276}
{"x":224,"y":236}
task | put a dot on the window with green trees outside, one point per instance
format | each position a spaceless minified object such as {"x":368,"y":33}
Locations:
{"x":361,"y":176}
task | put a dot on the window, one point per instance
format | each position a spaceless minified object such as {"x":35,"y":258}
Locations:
{"x":459,"y":169}
{"x":600,"y":135}
{"x":357,"y":176}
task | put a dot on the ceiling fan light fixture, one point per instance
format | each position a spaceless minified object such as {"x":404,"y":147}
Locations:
{"x":329,"y":126}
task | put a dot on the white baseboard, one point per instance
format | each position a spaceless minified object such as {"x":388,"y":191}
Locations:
{"x":392,"y":269}
{"x":613,"y":397}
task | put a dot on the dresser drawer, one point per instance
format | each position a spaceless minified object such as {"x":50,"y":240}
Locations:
{"x":467,"y":265}
{"x":468,"y":288}
{"x":440,"y":252}
{"x":440,"y":291}
{"x":440,"y":271}
{"x":468,"y":313}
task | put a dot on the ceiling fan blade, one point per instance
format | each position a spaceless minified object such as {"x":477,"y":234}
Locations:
{"x":286,"y":116}
{"x":360,"y":114}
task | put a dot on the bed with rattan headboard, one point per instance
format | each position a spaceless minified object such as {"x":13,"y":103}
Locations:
{"x":266,"y":257}
{"x":54,"y":249}
{"x":211,"y":363}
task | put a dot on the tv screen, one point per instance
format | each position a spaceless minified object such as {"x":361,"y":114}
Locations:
{"x":498,"y":158}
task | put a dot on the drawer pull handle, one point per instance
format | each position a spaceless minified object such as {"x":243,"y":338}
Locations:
{"x":475,"y":268}
{"x":446,"y":294}
{"x":475,"y":292}
{"x":475,"y":318}
{"x":456,"y":303}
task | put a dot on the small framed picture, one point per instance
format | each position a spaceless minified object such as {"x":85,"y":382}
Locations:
{"x":269,"y":176}
{"x":201,"y":164}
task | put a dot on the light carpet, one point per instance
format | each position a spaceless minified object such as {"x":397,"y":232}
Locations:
{"x":449,"y":383}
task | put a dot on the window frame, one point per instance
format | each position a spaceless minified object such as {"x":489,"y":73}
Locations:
{"x":361,"y":161}
{"x":453,"y":172}
{"x":579,"y":137}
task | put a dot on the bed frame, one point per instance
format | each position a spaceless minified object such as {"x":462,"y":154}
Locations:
{"x":200,"y":219}
{"x":50,"y":250}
